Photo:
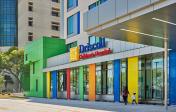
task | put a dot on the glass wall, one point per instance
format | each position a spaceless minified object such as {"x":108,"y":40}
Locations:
{"x":86,"y":79}
{"x":104,"y":78}
{"x":72,"y":4}
{"x":74,"y":80}
{"x":62,"y":81}
{"x":73,"y":25}
{"x":8,"y":22}
{"x":151,"y":76}
{"x":123,"y":75}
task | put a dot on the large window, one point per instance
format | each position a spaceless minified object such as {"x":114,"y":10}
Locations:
{"x":72,"y":4}
{"x":151,"y":77}
{"x":123,"y":76}
{"x":74,"y":80}
{"x":73,"y":25}
{"x":8,"y":23}
{"x":62,"y":81}
{"x":86,"y":80}
{"x":104,"y":78}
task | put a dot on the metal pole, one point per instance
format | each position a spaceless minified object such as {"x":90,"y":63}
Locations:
{"x":165,"y":73}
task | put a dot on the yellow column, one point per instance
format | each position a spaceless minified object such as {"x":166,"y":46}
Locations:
{"x":92,"y":75}
{"x":133,"y":77}
{"x":48,"y":85}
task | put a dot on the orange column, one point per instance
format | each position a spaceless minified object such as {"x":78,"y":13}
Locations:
{"x":92,"y":82}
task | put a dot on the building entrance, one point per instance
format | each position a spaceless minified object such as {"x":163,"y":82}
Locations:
{"x":151,"y":79}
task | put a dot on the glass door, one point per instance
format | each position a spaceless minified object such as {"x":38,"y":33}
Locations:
{"x":151,"y":78}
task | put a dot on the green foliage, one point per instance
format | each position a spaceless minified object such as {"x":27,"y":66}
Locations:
{"x":12,"y":62}
{"x":1,"y":81}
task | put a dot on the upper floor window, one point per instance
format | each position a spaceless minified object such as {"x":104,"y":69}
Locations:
{"x":55,"y":26}
{"x":30,"y":21}
{"x":102,"y":1}
{"x":92,"y":5}
{"x":30,"y":6}
{"x":73,"y":25}
{"x":30,"y":36}
{"x":57,"y":1}
{"x":55,"y":12}
{"x":72,"y":4}
{"x":95,"y":4}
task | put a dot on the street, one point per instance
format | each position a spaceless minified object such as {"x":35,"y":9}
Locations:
{"x":55,"y":105}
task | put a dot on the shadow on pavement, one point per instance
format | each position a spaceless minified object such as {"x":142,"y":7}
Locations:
{"x":106,"y":106}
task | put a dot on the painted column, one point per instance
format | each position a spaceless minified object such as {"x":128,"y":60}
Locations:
{"x":172,"y":77}
{"x":116,"y":80}
{"x":133,"y":77}
{"x":92,"y":82}
{"x":48,"y":80}
{"x":54,"y":84}
{"x":68,"y":82}
{"x":81,"y":88}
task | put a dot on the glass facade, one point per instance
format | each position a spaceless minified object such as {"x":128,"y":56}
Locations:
{"x":104,"y":78}
{"x":62,"y":81}
{"x":74,"y":80}
{"x":8,"y":22}
{"x":72,"y":4}
{"x":151,"y":78}
{"x":123,"y":75}
{"x":86,"y":79}
{"x":73,"y":25}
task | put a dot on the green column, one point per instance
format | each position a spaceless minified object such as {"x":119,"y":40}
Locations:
{"x":81,"y":90}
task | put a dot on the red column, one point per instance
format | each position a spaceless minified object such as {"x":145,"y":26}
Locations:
{"x":68,"y":83}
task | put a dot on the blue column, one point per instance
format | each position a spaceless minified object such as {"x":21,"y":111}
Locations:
{"x":172,"y":77}
{"x":116,"y":80}
{"x":54,"y":84}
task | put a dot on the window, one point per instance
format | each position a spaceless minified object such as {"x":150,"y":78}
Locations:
{"x":62,"y":81}
{"x":74,"y":80}
{"x":55,"y":26}
{"x":92,"y":5}
{"x":123,"y":75}
{"x":71,"y":45}
{"x":72,"y":4}
{"x":73,"y":25}
{"x":30,"y":6}
{"x":57,"y":1}
{"x":37,"y":85}
{"x":86,"y":79}
{"x":55,"y":36}
{"x":30,"y":21}
{"x":102,"y":1}
{"x":33,"y":68}
{"x":55,"y":12}
{"x":30,"y":36}
{"x":104,"y":78}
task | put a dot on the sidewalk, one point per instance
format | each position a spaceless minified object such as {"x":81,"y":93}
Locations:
{"x":106,"y":106}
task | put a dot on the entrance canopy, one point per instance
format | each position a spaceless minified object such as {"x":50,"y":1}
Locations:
{"x":147,"y":26}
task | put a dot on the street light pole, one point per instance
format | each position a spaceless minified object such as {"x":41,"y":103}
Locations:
{"x":165,"y":73}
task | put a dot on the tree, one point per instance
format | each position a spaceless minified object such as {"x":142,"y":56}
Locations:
{"x":1,"y":81}
{"x":12,"y":62}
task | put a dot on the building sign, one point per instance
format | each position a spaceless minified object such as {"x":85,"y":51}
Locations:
{"x":89,"y":50}
{"x":96,"y":53}
{"x":74,"y":54}
{"x":92,"y":47}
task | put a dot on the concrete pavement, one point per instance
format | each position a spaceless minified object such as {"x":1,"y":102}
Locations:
{"x":57,"y":105}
